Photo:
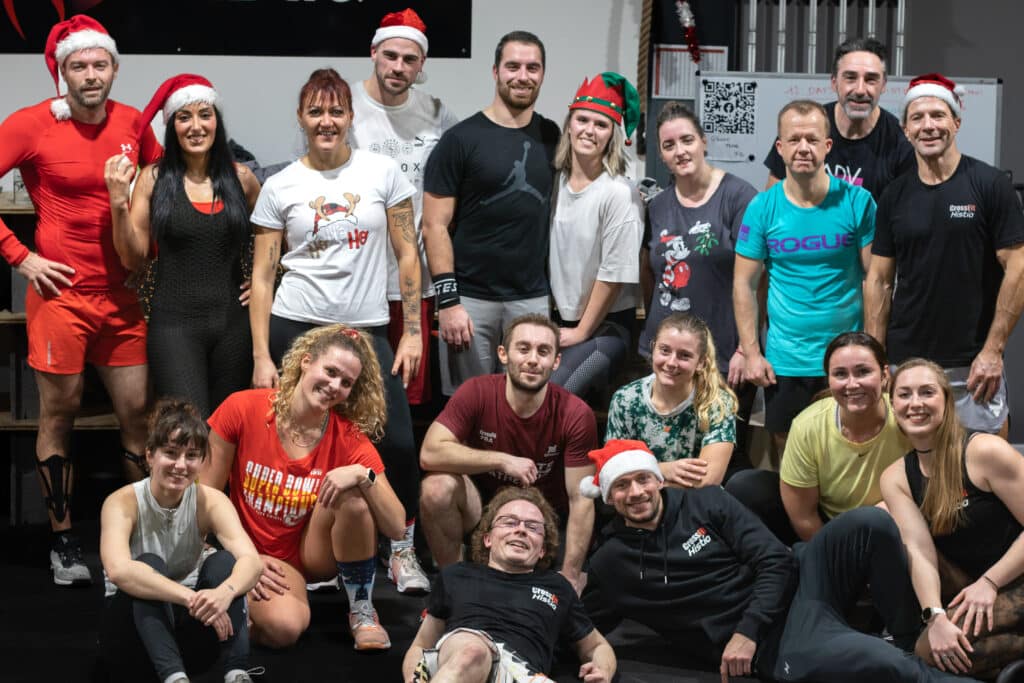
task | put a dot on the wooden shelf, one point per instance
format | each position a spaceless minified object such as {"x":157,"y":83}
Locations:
{"x":22,"y":206}
{"x":9,"y":318}
{"x":102,"y":422}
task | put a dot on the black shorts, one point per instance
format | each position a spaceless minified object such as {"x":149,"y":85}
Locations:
{"x":787,"y":397}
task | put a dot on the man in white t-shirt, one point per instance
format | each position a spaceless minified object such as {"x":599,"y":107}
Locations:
{"x":395,"y":119}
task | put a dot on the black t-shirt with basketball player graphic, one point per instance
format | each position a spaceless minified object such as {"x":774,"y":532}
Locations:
{"x":871,"y":162}
{"x":944,"y":239}
{"x":528,"y":613}
{"x":501,"y":179}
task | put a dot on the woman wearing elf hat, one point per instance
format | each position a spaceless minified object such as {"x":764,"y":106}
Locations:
{"x":191,"y":209}
{"x":595,"y":234}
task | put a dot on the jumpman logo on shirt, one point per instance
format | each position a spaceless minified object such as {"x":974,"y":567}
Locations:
{"x":516,"y":180}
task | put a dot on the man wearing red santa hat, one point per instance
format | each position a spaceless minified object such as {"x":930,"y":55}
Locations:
{"x":392,"y":117}
{"x":78,"y":307}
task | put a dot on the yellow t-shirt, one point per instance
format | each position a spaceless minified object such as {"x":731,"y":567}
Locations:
{"x":846,"y":473}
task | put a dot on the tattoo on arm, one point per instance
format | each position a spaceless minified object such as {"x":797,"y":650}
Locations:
{"x":411,"y":306}
{"x":403,"y":217}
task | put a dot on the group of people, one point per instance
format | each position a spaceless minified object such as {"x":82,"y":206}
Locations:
{"x":289,"y":329}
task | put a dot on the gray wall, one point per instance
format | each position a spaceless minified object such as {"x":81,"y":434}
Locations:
{"x":979,"y":38}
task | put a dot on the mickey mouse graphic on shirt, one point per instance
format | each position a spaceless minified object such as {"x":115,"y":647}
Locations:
{"x":676,"y":274}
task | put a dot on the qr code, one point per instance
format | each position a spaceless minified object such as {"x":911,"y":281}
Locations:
{"x":729,"y":107}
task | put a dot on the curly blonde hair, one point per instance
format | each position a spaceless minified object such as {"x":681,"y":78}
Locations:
{"x":365,"y":406}
{"x":710,"y":392}
{"x":481,"y":554}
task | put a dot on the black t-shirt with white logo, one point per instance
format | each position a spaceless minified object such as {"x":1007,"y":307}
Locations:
{"x":526,"y":612}
{"x":871,"y":162}
{"x":501,"y":179}
{"x":944,"y":239}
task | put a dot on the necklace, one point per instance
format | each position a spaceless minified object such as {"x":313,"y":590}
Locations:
{"x":302,"y":438}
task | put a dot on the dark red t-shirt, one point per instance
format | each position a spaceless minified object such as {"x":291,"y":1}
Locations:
{"x":558,"y":435}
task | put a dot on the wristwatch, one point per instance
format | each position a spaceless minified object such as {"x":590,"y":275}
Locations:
{"x":371,"y":478}
{"x":928,"y":612}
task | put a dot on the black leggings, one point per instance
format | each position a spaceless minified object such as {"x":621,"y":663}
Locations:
{"x":202,"y":358}
{"x":857,"y":547}
{"x":593,"y":364}
{"x":140,"y":638}
{"x":397,"y":447}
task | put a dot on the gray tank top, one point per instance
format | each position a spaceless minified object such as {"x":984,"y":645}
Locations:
{"x":171,"y":534}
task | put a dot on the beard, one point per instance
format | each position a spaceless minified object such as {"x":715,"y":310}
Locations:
{"x":514,"y":378}
{"x":517,"y":103}
{"x":92,"y":100}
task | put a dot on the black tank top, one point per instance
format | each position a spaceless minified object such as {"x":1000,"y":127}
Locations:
{"x":198,"y":267}
{"x":988,"y":527}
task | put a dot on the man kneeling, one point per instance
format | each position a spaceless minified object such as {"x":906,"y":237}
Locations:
{"x":496,"y":620}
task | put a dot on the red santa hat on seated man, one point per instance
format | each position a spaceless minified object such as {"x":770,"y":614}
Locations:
{"x":405,"y":24}
{"x":935,"y":85}
{"x":177,"y":92}
{"x":618,"y":457}
{"x":80,"y":32}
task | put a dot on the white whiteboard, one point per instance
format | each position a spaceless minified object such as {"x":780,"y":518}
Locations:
{"x":739,"y":111}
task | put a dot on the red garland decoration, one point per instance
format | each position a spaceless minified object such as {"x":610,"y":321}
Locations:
{"x":689,"y":25}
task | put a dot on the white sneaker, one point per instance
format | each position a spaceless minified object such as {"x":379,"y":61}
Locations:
{"x":66,"y":561}
{"x":333,"y":585}
{"x":405,"y":571}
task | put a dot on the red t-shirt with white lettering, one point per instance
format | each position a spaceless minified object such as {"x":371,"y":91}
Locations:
{"x":62,"y":165}
{"x":274,"y":495}
{"x":558,"y":435}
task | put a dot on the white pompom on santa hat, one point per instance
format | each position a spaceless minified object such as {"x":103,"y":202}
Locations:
{"x":177,"y":92}
{"x":405,"y":24}
{"x":935,"y":85}
{"x":80,"y":32}
{"x":618,"y":457}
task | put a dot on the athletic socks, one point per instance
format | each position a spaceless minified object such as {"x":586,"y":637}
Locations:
{"x":357,"y":578}
{"x":407,"y":540}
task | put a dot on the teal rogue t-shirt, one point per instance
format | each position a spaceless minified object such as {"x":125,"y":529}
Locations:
{"x":814,"y":270}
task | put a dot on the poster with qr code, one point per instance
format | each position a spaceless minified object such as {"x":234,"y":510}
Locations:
{"x":728,"y":110}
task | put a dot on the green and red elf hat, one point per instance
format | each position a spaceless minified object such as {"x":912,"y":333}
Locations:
{"x":614,"y":96}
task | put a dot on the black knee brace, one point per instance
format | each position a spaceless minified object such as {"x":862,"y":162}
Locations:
{"x":135,"y":459}
{"x":55,"y":473}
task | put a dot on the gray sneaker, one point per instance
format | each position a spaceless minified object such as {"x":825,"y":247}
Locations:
{"x":405,"y":570}
{"x":66,"y":561}
{"x":239,"y":676}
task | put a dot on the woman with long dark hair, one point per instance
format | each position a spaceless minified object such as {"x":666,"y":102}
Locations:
{"x":958,"y":499}
{"x":192,"y":209}
{"x":686,"y":263}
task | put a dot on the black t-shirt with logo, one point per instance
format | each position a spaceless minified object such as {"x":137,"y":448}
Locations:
{"x":528,"y":613}
{"x":501,"y":179}
{"x":944,"y":239}
{"x":871,"y":162}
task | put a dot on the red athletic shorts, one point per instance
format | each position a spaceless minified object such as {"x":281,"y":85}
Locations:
{"x":101,"y":328}
{"x":418,"y":391}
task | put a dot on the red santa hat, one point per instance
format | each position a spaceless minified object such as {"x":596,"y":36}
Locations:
{"x":935,"y":85}
{"x":405,"y":24}
{"x":177,"y":92}
{"x":80,"y":32}
{"x":618,"y":457}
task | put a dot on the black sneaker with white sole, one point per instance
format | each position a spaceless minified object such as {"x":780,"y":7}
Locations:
{"x":66,"y":561}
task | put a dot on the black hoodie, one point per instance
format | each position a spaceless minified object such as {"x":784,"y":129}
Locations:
{"x":710,"y":569}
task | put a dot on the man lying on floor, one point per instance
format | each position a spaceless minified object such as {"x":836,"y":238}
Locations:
{"x":703,"y":571}
{"x":497,"y":619}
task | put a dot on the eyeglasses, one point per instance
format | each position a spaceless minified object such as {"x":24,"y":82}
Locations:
{"x":512,"y":522}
